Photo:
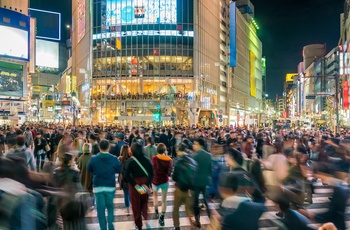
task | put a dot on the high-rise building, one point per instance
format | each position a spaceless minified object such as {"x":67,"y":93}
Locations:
{"x":165,"y":61}
{"x":17,"y":38}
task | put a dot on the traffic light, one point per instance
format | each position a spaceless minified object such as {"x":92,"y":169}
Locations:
{"x":157,"y":115}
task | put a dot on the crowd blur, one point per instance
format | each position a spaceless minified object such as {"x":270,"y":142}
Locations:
{"x":52,"y":175}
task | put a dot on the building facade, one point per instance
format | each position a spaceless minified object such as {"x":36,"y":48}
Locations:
{"x":165,"y":62}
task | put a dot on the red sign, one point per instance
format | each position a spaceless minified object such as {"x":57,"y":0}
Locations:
{"x":346,"y":94}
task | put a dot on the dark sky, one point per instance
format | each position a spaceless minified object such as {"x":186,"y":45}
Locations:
{"x":286,"y":26}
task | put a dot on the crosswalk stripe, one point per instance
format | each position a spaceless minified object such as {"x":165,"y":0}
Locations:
{"x":266,"y":222}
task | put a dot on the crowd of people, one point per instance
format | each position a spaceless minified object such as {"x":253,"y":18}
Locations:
{"x":52,"y":175}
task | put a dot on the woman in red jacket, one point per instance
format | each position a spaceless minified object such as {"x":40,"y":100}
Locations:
{"x":163,"y":166}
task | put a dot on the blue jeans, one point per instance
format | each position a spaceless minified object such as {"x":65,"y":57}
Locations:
{"x":105,"y":200}
{"x":40,"y":158}
{"x":126,"y":197}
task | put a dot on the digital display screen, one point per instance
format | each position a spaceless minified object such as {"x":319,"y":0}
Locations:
{"x":14,"y":42}
{"x":11,"y":80}
{"x":128,"y":12}
{"x":47,"y":54}
{"x":48,"y":24}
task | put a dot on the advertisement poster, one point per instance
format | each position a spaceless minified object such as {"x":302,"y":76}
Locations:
{"x":11,"y":79}
{"x":81,"y":19}
{"x":128,"y":12}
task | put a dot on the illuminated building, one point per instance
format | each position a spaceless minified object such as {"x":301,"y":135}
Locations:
{"x":16,"y":60}
{"x":164,"y":61}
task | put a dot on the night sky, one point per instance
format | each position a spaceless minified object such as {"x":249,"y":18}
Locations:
{"x":286,"y":26}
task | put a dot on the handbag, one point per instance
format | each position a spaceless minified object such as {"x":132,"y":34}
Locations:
{"x":47,"y":148}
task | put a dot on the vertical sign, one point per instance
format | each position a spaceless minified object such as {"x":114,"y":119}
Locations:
{"x":346,"y":94}
{"x":233,"y":34}
{"x":68,"y":84}
{"x":252,"y":59}
{"x":81,"y":19}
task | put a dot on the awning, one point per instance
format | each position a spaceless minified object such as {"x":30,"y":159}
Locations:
{"x":321,"y":122}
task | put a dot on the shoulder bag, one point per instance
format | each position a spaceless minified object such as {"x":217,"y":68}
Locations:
{"x":142,"y":189}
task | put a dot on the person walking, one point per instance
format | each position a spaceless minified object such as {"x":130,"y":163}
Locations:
{"x":39,"y":151}
{"x":163,"y":166}
{"x":103,"y":168}
{"x":79,"y":142}
{"x":202,"y":176}
{"x":183,"y":176}
{"x":139,"y":174}
{"x":123,"y":183}
{"x":150,"y":149}
{"x":85,"y":176}
{"x":22,"y":151}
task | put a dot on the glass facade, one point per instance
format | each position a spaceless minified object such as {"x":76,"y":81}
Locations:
{"x":142,"y":57}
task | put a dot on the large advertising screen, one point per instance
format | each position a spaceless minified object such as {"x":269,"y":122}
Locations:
{"x":47,"y":54}
{"x":14,"y":42}
{"x":48,"y":24}
{"x":11,"y":79}
{"x":127,"y":12}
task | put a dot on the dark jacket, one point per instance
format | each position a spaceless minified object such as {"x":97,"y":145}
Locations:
{"x":115,"y":150}
{"x":204,"y":172}
{"x":103,"y":167}
{"x":246,"y":216}
{"x":163,"y":166}
{"x":180,"y":166}
{"x":38,"y":146}
{"x":133,"y":170}
{"x":85,"y":176}
{"x":164,"y":139}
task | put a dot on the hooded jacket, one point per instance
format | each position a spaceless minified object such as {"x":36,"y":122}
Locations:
{"x":163,"y":166}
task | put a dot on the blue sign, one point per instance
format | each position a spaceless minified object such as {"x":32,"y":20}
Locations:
{"x":220,"y":120}
{"x":233,"y":58}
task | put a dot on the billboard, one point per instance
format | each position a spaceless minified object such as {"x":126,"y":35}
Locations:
{"x":48,"y":24}
{"x":11,"y":79}
{"x":14,"y":39}
{"x":128,"y":12}
{"x":47,"y":54}
{"x":233,"y":58}
{"x":81,"y":19}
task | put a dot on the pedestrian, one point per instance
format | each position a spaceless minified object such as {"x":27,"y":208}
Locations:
{"x":123,"y":183}
{"x":103,"y":167}
{"x":139,"y":174}
{"x":28,"y":138}
{"x":85,"y":176}
{"x":202,"y":177}
{"x":116,"y":150}
{"x":183,"y":176}
{"x":39,"y":151}
{"x":94,"y":143}
{"x":150,"y":149}
{"x":22,"y":151}
{"x":79,"y":142}
{"x":163,"y":166}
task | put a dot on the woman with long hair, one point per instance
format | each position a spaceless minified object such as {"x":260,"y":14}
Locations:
{"x":139,"y":174}
{"x":123,"y":183}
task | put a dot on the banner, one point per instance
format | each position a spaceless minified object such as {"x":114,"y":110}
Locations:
{"x":233,"y":58}
{"x":346,"y":95}
{"x":252,"y":85}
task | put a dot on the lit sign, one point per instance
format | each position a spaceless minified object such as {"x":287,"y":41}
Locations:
{"x":144,"y":33}
{"x":233,"y":51}
{"x":127,"y":12}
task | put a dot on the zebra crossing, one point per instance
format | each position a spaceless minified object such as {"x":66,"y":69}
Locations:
{"x":266,"y":222}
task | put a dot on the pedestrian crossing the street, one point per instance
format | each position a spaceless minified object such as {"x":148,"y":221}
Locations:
{"x":267,"y":220}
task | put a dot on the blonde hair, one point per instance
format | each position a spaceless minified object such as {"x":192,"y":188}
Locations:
{"x":87,"y":148}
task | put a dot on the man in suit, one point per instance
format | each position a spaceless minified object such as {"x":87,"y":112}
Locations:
{"x":202,"y":176}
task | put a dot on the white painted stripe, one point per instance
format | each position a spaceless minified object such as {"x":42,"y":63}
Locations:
{"x":126,"y":225}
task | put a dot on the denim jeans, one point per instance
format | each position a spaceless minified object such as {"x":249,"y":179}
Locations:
{"x":40,"y":159}
{"x":105,"y":200}
{"x":126,"y":197}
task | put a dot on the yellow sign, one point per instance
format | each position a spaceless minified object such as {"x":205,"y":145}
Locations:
{"x":252,"y":59}
{"x":289,"y":76}
{"x":68,"y":84}
{"x":49,"y":103}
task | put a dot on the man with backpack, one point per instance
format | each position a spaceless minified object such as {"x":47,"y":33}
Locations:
{"x":183,"y":175}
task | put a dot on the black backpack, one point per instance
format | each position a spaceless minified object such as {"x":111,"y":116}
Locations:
{"x":187,"y":177}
